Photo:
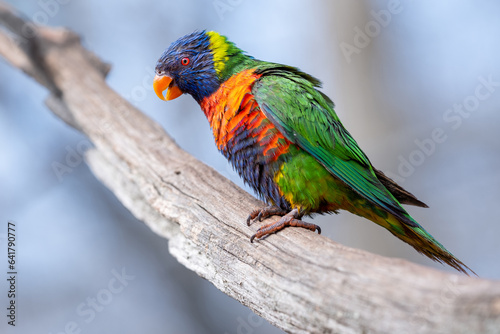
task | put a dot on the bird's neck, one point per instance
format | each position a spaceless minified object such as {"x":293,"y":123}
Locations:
{"x":204,"y":87}
{"x":234,"y":64}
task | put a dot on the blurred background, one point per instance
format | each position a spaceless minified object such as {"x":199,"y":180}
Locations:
{"x":417,"y":83}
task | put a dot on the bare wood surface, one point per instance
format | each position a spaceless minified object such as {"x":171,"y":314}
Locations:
{"x":299,"y":281}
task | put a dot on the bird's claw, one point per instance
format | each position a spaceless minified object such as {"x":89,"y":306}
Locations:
{"x":252,"y":216}
{"x":261,"y":214}
{"x":290,"y":219}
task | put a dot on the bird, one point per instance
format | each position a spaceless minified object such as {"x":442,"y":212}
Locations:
{"x":284,"y":138}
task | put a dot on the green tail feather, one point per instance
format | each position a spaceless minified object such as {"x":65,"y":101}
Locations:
{"x":423,"y":242}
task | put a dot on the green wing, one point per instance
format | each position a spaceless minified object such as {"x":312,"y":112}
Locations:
{"x":306,"y":117}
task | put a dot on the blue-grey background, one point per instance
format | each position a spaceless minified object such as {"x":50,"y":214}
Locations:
{"x":395,"y":80}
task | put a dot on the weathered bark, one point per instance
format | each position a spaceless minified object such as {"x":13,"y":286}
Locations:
{"x":299,"y":281}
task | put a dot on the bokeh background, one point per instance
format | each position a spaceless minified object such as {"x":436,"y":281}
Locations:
{"x":398,"y":71}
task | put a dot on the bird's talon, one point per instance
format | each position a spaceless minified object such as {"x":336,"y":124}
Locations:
{"x":290,"y":219}
{"x":252,"y":216}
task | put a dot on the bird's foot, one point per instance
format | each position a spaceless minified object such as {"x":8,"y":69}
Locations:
{"x":268,"y":211}
{"x":290,"y":219}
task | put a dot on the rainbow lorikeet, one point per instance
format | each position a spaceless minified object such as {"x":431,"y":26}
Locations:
{"x":285,"y":140}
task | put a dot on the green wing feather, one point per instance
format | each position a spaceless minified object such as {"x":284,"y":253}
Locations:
{"x":306,"y":117}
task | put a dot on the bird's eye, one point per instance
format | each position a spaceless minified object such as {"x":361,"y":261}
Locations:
{"x":185,"y":61}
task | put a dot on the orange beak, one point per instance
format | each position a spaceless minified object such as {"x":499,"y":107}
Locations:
{"x":162,"y":82}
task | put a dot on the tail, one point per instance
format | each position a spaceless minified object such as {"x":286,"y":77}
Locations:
{"x":408,"y":230}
